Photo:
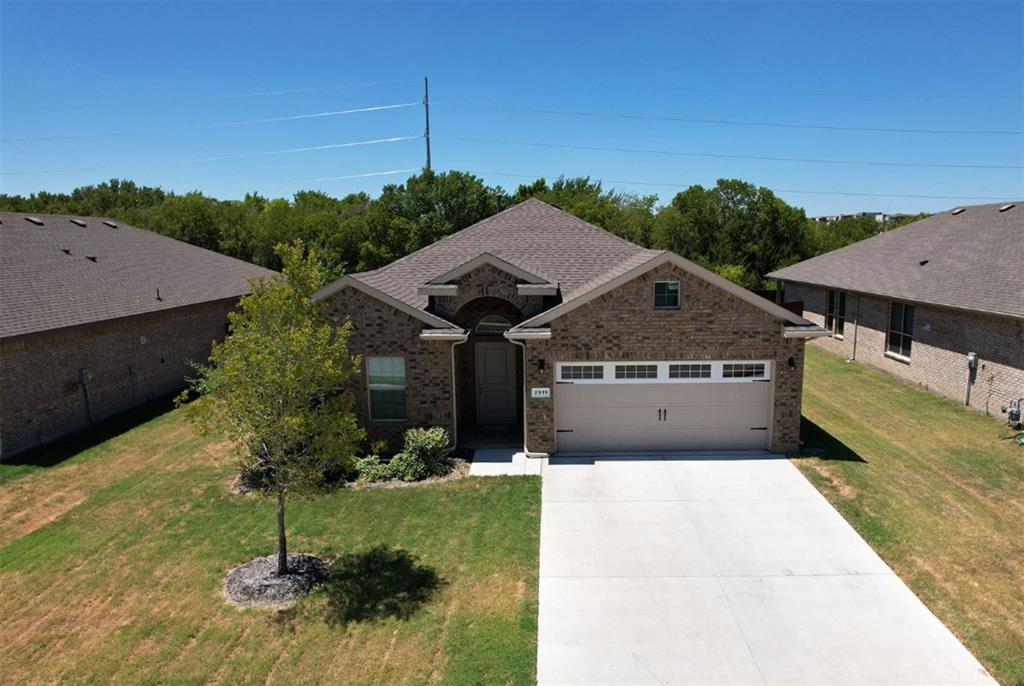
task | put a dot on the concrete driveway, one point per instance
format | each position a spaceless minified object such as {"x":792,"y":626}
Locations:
{"x":721,"y":570}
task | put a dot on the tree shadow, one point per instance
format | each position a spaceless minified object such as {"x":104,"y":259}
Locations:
{"x":378,"y":583}
{"x":818,"y":443}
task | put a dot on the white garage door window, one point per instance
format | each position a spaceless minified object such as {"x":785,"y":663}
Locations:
{"x":664,"y":405}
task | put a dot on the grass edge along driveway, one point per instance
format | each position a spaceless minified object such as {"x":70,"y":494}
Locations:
{"x":111,"y":566}
{"x":933,"y":489}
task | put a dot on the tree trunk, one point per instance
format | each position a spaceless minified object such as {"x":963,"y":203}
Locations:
{"x":282,"y":544}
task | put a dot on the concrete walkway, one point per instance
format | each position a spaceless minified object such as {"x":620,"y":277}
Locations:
{"x":721,"y":570}
{"x":503,"y":462}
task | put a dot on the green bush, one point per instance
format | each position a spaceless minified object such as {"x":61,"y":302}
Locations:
{"x":428,"y":446}
{"x":422,"y":456}
{"x":371,"y":468}
{"x":407,"y":467}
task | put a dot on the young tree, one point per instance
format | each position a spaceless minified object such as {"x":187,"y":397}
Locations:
{"x":277,"y":387}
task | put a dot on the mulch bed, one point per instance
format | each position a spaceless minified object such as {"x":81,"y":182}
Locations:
{"x":256,"y":584}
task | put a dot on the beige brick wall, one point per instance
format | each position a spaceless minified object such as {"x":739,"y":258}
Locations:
{"x":130,"y":360}
{"x":942,"y":339}
{"x":711,"y":324}
{"x":379,"y":329}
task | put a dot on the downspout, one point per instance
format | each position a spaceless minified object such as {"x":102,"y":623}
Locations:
{"x":526,"y":449}
{"x":455,"y":403}
{"x":856,"y":328}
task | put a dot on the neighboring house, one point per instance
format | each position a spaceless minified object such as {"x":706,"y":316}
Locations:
{"x":937,"y":302}
{"x":883,"y":218}
{"x":97,"y":317}
{"x":533,"y":319}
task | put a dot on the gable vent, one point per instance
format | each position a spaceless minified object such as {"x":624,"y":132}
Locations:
{"x":34,"y":220}
{"x":958,"y":210}
{"x":1007,"y":207}
{"x":78,"y":222}
{"x":91,"y":258}
{"x":110,"y":224}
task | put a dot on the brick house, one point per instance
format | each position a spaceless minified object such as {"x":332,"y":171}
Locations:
{"x":936,"y":302}
{"x":97,"y":317}
{"x":537,"y":330}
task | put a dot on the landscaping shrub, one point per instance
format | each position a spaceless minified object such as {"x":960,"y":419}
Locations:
{"x":422,"y":456}
{"x":428,"y":446}
{"x":407,"y":467}
{"x":372,"y":468}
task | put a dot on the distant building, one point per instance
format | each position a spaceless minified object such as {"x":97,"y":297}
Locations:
{"x":882,"y":218}
{"x":937,"y":302}
{"x":97,"y":317}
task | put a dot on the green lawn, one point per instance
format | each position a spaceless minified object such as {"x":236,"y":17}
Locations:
{"x":934,"y":490}
{"x":111,"y":564}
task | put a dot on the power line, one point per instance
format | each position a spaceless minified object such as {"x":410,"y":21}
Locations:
{"x":342,"y":177}
{"x":769,"y":158}
{"x":266,"y":153}
{"x":726,"y":122}
{"x":223,"y":96}
{"x":748,"y":91}
{"x":218,"y":125}
{"x":776,"y":190}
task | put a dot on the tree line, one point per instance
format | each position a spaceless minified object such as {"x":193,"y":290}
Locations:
{"x":735,"y":228}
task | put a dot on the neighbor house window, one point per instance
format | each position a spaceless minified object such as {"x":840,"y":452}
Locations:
{"x":582,"y":371}
{"x":386,"y":380}
{"x":835,"y":313}
{"x":636,"y":371}
{"x":666,"y":295}
{"x":743,"y":370}
{"x":689,"y":371}
{"x":901,"y":329}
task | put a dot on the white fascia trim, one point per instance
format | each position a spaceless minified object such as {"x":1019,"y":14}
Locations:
{"x":350,"y":281}
{"x":487,"y":258}
{"x":438,"y":289}
{"x":439,"y":335}
{"x":537,"y":288}
{"x":527,"y":334}
{"x":656,"y":261}
{"x":804,"y":332}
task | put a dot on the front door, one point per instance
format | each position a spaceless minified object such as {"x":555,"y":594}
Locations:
{"x":495,"y":383}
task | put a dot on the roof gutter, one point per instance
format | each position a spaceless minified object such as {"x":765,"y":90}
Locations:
{"x":804,"y":332}
{"x":515,"y":334}
{"x":443,"y":335}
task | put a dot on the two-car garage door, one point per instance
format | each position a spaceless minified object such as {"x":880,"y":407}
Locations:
{"x":683,"y":405}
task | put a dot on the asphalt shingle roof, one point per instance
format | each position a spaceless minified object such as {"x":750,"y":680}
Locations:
{"x":531,"y":235}
{"x":42,"y":287}
{"x":971,"y":260}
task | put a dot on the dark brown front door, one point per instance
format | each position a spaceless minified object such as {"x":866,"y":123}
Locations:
{"x":495,"y":383}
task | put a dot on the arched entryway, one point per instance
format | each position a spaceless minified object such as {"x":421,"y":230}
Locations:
{"x":489,"y":376}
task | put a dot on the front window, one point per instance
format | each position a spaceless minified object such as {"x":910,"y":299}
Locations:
{"x":901,"y":329}
{"x":835,"y":313}
{"x":386,"y":380}
{"x":666,"y":295}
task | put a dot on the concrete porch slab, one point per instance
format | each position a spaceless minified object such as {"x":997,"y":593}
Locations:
{"x":503,"y":462}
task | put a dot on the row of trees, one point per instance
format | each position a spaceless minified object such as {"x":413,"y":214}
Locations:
{"x":735,"y":228}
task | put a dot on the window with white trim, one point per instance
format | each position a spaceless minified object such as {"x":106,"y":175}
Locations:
{"x":386,"y":382}
{"x":743,"y":370}
{"x":636,"y":371}
{"x":835,"y":312}
{"x":666,"y":295}
{"x":582,"y":371}
{"x":689,"y":371}
{"x":901,"y":329}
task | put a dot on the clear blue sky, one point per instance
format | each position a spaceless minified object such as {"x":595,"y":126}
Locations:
{"x":85,"y":68}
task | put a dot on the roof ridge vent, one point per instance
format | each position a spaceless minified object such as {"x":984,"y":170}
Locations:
{"x":77,"y":222}
{"x":110,"y":223}
{"x":958,"y":210}
{"x":1004,"y":208}
{"x":91,"y":258}
{"x":34,"y":220}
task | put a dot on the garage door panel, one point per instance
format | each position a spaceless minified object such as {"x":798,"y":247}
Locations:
{"x":604,"y":440}
{"x":675,"y":417}
{"x":662,"y":395}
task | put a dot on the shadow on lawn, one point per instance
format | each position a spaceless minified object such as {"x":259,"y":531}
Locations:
{"x":378,"y":583}
{"x":61,"y":449}
{"x":817,"y":442}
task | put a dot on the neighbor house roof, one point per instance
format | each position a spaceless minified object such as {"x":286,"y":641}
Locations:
{"x":60,"y":271}
{"x":968,"y":258}
{"x":539,"y":243}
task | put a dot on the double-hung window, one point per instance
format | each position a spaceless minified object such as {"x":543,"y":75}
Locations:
{"x":835,"y":313}
{"x":901,"y":329}
{"x":386,"y":380}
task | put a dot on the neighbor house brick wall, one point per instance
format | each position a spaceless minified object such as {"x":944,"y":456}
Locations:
{"x":381,"y":330}
{"x":942,"y":338}
{"x":130,"y":361}
{"x":711,"y":324}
